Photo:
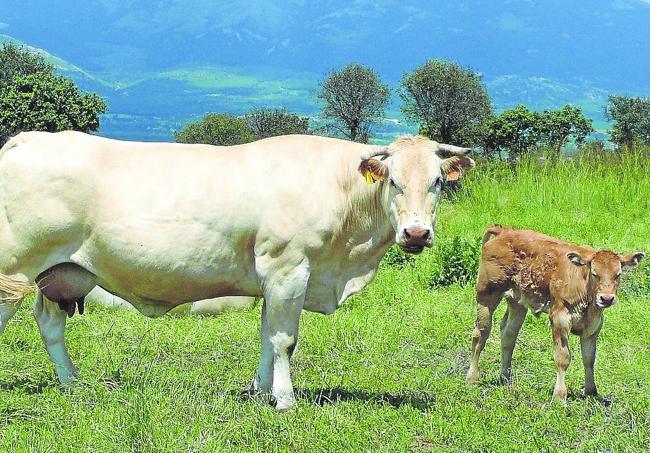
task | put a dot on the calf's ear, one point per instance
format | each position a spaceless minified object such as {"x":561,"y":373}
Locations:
{"x":454,"y":167}
{"x":576,"y":258}
{"x":373,"y":170}
{"x":631,"y":259}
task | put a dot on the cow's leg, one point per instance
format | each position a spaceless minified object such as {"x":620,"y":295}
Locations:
{"x":51,"y":323}
{"x":588,"y":349}
{"x":264,"y":376}
{"x":487,"y":302}
{"x":561,"y":325}
{"x":510,"y":326}
{"x":284,"y":297}
{"x":7,"y":311}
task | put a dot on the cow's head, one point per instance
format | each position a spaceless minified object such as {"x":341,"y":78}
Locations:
{"x":604,"y":272}
{"x":412,"y":171}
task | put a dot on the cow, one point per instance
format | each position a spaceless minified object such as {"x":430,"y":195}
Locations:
{"x":301,"y":221}
{"x":572,"y":284}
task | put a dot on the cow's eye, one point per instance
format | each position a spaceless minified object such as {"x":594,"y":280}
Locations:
{"x":594,"y":274}
{"x":393,"y":183}
{"x":618,"y":276}
{"x":438,"y":182}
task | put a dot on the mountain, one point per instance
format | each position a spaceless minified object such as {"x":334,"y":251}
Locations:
{"x":160,"y":63}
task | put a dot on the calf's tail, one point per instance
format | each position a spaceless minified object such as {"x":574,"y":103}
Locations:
{"x":494,"y":230}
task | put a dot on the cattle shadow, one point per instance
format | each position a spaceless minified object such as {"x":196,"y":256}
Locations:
{"x":28,"y":385}
{"x":332,"y":396}
{"x":326,"y":396}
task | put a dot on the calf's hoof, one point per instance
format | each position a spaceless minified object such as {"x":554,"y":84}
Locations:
{"x":559,"y":397}
{"x":472,"y":377}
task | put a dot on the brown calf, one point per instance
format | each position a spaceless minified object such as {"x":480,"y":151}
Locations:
{"x":572,"y":283}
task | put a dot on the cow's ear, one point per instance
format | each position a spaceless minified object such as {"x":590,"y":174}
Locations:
{"x":631,"y":259}
{"x":373,"y":170}
{"x":576,"y":258}
{"x":454,"y":167}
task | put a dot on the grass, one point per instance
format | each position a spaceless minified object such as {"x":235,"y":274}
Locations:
{"x":384,"y":373}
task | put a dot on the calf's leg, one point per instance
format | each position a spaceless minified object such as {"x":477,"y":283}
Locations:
{"x":51,"y":323}
{"x":588,"y":349}
{"x":510,"y":327}
{"x":487,"y":302}
{"x":560,"y":324}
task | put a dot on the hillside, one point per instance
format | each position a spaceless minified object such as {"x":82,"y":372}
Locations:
{"x":159,"y":64}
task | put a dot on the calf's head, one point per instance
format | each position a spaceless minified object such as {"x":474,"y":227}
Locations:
{"x":604,"y":272}
{"x":412,"y":171}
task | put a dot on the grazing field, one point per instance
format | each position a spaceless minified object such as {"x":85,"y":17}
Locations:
{"x":385,"y":372}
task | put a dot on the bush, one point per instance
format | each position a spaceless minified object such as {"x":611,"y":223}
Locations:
{"x":456,"y":262}
{"x":220,"y":129}
{"x":396,"y":257}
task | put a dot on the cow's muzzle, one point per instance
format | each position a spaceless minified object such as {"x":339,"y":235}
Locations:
{"x":413,"y":239}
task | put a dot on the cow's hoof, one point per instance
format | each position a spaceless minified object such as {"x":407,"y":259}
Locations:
{"x":67,"y":376}
{"x":284,"y":406}
{"x":258,"y":386}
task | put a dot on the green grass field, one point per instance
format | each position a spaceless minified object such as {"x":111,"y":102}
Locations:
{"x":384,"y":373}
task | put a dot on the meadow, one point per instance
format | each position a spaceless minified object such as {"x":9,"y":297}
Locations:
{"x":386,"y":371}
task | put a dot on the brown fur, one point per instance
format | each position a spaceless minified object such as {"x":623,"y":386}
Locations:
{"x":536,"y":271}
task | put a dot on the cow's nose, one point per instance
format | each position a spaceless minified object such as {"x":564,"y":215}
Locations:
{"x":417,"y":233}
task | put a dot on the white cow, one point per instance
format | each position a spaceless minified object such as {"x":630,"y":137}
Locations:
{"x":302,"y":221}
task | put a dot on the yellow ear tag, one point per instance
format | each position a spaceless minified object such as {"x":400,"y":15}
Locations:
{"x":369,"y":178}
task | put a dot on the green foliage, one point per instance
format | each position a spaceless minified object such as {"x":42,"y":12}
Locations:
{"x":514,"y":131}
{"x":220,"y":129}
{"x":448,"y":101}
{"x":632,"y":117}
{"x":396,"y":257}
{"x":273,"y":122}
{"x":32,"y":97}
{"x":519,"y":131}
{"x":17,"y":61}
{"x":557,"y":126}
{"x":354,"y":98}
{"x":457,"y":261}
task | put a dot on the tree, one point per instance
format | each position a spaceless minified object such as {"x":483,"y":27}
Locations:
{"x":16,"y":61}
{"x":273,"y":122}
{"x":33,"y":97}
{"x":514,"y":131}
{"x":221,"y":129}
{"x":557,"y":126}
{"x":632,"y":117}
{"x":447,"y":100}
{"x":354,"y":99}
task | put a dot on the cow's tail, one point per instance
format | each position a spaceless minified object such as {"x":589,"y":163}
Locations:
{"x":492,"y":231}
{"x":13,"y":291}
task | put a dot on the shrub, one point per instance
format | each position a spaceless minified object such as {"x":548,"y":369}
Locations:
{"x":457,"y":262}
{"x":396,"y":257}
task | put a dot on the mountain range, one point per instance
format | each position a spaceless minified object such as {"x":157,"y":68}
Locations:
{"x":161,"y":63}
